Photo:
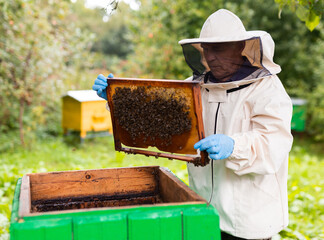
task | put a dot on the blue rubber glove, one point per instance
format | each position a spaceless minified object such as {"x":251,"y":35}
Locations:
{"x":101,"y":84}
{"x":218,"y":146}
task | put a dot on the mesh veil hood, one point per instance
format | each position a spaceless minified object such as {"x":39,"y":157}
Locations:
{"x":224,"y":26}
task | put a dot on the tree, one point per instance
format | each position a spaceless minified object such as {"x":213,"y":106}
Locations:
{"x":308,"y":11}
{"x":112,"y":38}
{"x":156,"y":29}
{"x":38,"y":45}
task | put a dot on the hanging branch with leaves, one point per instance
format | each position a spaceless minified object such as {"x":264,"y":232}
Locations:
{"x":308,"y":11}
{"x":112,"y":6}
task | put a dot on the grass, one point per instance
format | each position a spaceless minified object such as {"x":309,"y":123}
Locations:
{"x":306,"y":191}
{"x":305,"y":183}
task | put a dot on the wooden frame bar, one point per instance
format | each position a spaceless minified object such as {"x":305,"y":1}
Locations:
{"x":25,"y":197}
{"x":195,"y":160}
{"x":198,"y":129}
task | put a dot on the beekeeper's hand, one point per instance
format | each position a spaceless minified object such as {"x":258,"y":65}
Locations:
{"x":218,"y":146}
{"x":101,"y":84}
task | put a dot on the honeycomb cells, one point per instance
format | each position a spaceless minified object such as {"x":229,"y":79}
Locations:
{"x":151,"y":113}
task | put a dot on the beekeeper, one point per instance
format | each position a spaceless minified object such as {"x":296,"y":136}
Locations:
{"x":247,"y":115}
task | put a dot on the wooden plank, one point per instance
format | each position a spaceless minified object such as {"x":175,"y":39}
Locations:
{"x":25,"y":197}
{"x":174,"y":190}
{"x":117,"y":141}
{"x":115,"y":181}
{"x":193,"y":159}
{"x":153,"y":82}
{"x":204,"y":160}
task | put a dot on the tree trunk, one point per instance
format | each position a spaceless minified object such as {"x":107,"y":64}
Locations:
{"x":23,"y":99}
{"x":21,"y":124}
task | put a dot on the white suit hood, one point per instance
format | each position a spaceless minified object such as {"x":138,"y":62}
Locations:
{"x":224,"y":26}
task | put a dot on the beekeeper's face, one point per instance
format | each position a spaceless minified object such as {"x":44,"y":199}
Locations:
{"x":223,"y":59}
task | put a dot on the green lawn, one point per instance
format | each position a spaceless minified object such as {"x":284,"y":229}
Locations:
{"x":306,"y":181}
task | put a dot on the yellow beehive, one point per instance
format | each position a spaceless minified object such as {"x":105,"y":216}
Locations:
{"x":84,"y":111}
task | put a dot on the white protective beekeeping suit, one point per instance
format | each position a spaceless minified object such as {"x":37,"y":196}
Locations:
{"x":250,"y":187}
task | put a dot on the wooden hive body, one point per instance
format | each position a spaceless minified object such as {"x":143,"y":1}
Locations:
{"x":121,"y":203}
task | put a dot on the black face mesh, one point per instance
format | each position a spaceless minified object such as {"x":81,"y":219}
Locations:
{"x":226,"y":61}
{"x":239,"y":72}
{"x":193,"y":59}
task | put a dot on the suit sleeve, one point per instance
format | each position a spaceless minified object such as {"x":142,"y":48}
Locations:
{"x":264,"y":148}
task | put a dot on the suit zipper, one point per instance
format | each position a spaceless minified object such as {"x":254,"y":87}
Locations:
{"x":215,"y":127}
{"x":212,"y":161}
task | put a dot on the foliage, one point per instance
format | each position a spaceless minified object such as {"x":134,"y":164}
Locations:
{"x":306,"y":195}
{"x":316,"y":108}
{"x":305,"y":182}
{"x":157,"y":28}
{"x":309,"y":11}
{"x":315,"y":97}
{"x":38,"y":48}
{"x":115,"y":37}
{"x":112,"y":37}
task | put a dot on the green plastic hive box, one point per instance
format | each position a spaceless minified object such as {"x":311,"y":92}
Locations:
{"x":119,"y":204}
{"x":299,"y":114}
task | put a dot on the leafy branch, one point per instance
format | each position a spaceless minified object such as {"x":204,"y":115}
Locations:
{"x":112,"y":6}
{"x":308,"y":11}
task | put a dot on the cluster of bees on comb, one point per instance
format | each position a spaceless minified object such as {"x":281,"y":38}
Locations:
{"x":151,"y":113}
